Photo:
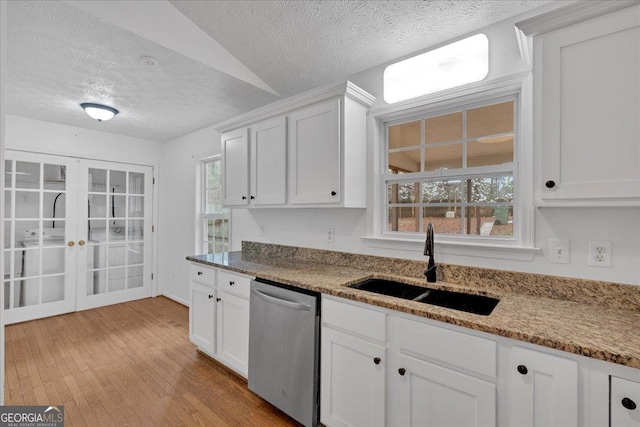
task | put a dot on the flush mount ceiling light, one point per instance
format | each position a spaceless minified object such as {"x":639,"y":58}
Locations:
{"x":98,"y":111}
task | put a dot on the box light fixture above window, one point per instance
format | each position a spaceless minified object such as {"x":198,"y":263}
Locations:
{"x":98,"y":111}
{"x":456,"y":64}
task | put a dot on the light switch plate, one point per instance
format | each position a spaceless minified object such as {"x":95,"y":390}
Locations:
{"x":559,"y":251}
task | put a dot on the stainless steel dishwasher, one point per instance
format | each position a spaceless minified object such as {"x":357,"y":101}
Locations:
{"x":284,"y":344}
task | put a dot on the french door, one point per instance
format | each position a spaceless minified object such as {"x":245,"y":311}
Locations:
{"x":77,"y":234}
{"x":114,"y":263}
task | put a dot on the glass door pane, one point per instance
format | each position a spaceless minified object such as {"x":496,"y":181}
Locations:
{"x":39,"y":277}
{"x":117,"y":258}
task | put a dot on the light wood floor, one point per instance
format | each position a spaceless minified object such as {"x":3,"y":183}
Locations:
{"x":127,"y":364}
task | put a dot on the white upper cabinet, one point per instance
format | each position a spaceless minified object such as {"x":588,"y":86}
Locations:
{"x":319,"y":159}
{"x":268,"y":171}
{"x":315,"y":154}
{"x":587,"y":110}
{"x":235,"y":155}
{"x":254,"y":164}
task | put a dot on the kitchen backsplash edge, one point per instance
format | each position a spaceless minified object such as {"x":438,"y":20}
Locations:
{"x":591,"y":292}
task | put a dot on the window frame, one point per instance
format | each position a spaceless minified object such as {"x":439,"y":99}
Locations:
{"x":462,"y":173}
{"x":520,"y":246}
{"x":204,"y":217}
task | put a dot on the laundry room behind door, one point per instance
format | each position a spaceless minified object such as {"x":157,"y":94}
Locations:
{"x":77,"y":234}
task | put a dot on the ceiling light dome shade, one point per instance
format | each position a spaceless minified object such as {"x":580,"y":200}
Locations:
{"x":98,"y":111}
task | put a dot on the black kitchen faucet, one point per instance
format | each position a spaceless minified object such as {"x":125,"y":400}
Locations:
{"x":430,"y":272}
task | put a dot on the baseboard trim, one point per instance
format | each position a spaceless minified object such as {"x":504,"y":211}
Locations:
{"x":174,"y":298}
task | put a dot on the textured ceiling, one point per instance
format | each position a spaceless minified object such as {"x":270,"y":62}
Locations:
{"x":60,"y":55}
{"x":298,"y":45}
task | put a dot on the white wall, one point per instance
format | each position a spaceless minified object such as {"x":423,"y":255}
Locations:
{"x":177,"y":225}
{"x":3,"y":62}
{"x":308,"y":227}
{"x":52,"y":138}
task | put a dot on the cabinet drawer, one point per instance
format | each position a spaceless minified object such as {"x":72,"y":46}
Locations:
{"x":202,"y":274}
{"x":455,"y":348}
{"x":625,"y":402}
{"x":353,"y":318}
{"x":233,"y":283}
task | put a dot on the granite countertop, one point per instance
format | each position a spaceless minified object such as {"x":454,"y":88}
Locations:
{"x":598,"y":331}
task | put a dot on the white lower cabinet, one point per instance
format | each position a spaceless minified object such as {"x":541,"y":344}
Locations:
{"x":543,"y":389}
{"x":428,"y":395}
{"x":219,"y":315}
{"x":201,"y":317}
{"x":353,"y":380}
{"x":625,"y":403}
{"x":366,"y":382}
{"x":232,"y":336}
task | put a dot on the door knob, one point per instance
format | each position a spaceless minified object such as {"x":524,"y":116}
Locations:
{"x":550,"y":184}
{"x":210,"y":296}
{"x":376,"y":360}
{"x":81,"y":242}
{"x":333,"y":193}
{"x":218,"y":299}
{"x":522,"y":369}
{"x":231,"y":283}
{"x":402,"y":371}
{"x":71,"y":243}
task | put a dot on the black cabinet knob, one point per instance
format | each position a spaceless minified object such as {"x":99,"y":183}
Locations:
{"x":232,"y":283}
{"x":629,"y":404}
{"x":252,"y":197}
{"x":210,"y":296}
{"x":550,"y":184}
{"x":523,"y":369}
{"x":199,"y":273}
{"x":402,"y":371}
{"x":244,"y":197}
{"x":218,"y":299}
{"x":333,"y":193}
{"x":376,"y":360}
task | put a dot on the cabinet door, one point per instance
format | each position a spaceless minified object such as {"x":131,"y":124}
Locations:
{"x":202,"y":317}
{"x":315,"y":160}
{"x":352,"y":383}
{"x":625,"y":403}
{"x":235,"y":167}
{"x":543,"y":389}
{"x":232,"y":327}
{"x":429,"y":395}
{"x":269,"y":162}
{"x":589,"y":129}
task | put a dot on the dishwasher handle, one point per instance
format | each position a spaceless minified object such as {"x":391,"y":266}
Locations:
{"x":282,"y":302}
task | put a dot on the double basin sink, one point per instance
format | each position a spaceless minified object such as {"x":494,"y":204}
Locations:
{"x":477,"y":304}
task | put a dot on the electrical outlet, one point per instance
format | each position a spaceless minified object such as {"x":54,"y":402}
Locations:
{"x":261,"y":230}
{"x":559,"y":251}
{"x":330,"y":234}
{"x":600,"y":253}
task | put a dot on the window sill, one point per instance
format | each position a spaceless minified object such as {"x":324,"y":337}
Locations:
{"x":472,"y":249}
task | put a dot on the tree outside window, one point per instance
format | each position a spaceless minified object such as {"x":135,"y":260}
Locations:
{"x":215,"y":218}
